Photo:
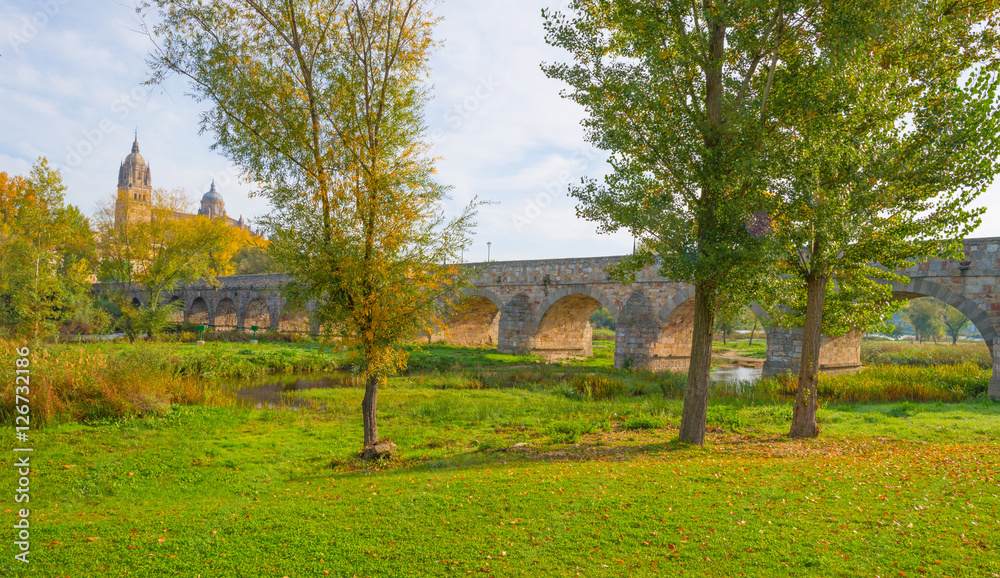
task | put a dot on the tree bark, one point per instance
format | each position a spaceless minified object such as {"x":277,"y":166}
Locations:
{"x":368,"y":406}
{"x":696,"y":395}
{"x":804,"y":415}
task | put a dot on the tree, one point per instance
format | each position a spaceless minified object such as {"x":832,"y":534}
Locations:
{"x":322,"y":103}
{"x":924,"y":315}
{"x":152,"y":247}
{"x":46,"y":252}
{"x":602,"y":319}
{"x":730,"y":322}
{"x":865,"y":190}
{"x":680,"y":94}
{"x":254,"y":260}
{"x":954,"y":322}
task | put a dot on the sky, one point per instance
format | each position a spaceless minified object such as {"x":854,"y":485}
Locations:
{"x":72,"y":90}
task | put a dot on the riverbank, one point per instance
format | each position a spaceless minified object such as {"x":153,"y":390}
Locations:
{"x":88,"y":382}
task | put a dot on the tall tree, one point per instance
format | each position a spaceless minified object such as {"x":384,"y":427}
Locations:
{"x":867,"y":189}
{"x":679,"y":93}
{"x":321,"y":102}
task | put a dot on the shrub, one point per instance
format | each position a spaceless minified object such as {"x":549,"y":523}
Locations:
{"x":597,"y":386}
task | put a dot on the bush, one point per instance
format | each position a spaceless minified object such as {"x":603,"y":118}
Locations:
{"x":597,"y":386}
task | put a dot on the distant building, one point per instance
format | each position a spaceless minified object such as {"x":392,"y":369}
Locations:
{"x":135,"y":191}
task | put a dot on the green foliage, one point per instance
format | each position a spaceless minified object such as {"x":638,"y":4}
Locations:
{"x":602,"y":319}
{"x":46,"y":254}
{"x":254,"y":260}
{"x":925,"y":315}
{"x":597,"y":386}
{"x":604,"y":335}
{"x":569,"y":432}
{"x":931,"y":318}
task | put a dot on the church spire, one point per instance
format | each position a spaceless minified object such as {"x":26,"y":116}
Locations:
{"x":135,"y":143}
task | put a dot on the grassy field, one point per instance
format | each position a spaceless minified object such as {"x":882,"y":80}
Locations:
{"x":602,"y":490}
{"x":598,"y":486}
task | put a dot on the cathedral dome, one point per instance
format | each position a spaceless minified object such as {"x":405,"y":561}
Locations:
{"x":135,"y":159}
{"x":212,"y":194}
{"x":212,"y":205}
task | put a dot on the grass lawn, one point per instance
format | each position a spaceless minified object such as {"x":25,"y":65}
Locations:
{"x":742,"y":347}
{"x":602,"y":489}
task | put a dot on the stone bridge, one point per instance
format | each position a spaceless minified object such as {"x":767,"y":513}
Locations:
{"x":544,"y":307}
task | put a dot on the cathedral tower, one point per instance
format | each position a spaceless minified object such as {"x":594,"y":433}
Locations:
{"x":134,"y":187}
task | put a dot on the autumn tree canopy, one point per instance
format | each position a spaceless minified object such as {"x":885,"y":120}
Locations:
{"x":321,"y":103}
{"x":46,"y":252}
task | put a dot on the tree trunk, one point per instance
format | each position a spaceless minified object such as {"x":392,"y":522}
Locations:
{"x":804,"y":414}
{"x":696,"y":394}
{"x":368,"y":410}
{"x":753,"y":331}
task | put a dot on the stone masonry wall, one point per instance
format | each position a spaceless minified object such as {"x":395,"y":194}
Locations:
{"x":836,"y":354}
{"x":544,"y":307}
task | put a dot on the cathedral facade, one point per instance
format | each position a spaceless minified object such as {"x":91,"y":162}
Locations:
{"x":135,"y":192}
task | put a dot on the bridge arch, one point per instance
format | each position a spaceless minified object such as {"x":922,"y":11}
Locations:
{"x":593,"y":293}
{"x":198,"y":312}
{"x":225,"y":314}
{"x":684,"y":297}
{"x":655,"y":338}
{"x":474,"y":321}
{"x":918,"y":287}
{"x":293,"y":318}
{"x":562,"y":321}
{"x":257,"y":313}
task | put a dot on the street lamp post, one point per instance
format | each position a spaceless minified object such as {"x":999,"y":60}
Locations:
{"x":489,"y":245}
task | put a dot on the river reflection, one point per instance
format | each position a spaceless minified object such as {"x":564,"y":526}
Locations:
{"x":735,"y":374}
{"x":269,"y":395}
